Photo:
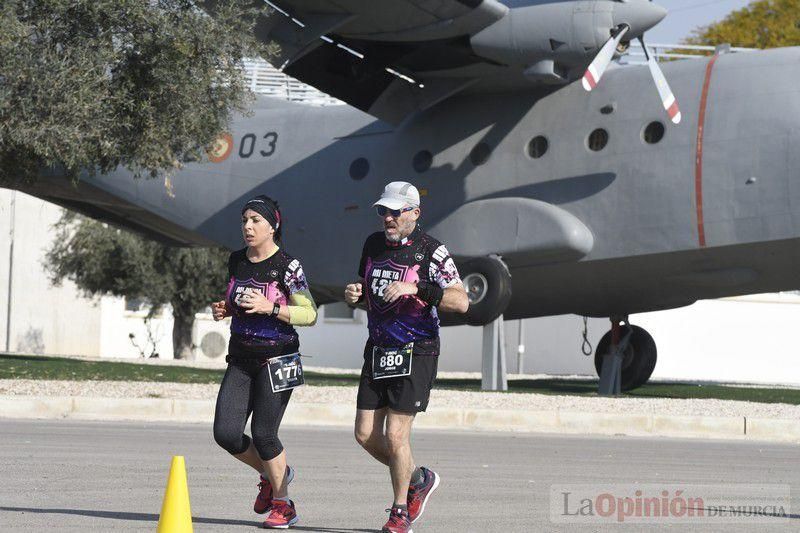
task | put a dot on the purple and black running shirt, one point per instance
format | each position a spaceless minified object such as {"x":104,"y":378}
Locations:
{"x":277,"y":277}
{"x":419,"y":257}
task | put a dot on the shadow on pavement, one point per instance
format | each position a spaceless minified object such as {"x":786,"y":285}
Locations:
{"x":149,"y":517}
{"x":335,"y":530}
{"x":118,"y":515}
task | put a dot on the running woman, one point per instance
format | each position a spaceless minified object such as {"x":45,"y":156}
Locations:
{"x":267,"y":296}
{"x":405,"y":276}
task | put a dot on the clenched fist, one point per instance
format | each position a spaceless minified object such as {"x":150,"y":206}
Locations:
{"x":218,"y":310}
{"x":352,"y":293}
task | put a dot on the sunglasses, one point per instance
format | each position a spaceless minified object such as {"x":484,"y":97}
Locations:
{"x":383,"y":211}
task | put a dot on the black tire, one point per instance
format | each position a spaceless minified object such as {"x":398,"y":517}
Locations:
{"x":497,"y":296}
{"x":639,"y":361}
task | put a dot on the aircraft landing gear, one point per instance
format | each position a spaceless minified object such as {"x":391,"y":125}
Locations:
{"x":625,"y":357}
{"x":488,"y":285}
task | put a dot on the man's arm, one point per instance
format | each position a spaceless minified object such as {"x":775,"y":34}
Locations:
{"x":454,"y":300}
{"x":444,"y":273}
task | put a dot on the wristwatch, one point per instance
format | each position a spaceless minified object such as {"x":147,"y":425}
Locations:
{"x":275,"y":309}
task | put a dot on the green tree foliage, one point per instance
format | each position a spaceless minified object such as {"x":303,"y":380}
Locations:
{"x":94,"y":84}
{"x":762,"y":24}
{"x":101,"y":259}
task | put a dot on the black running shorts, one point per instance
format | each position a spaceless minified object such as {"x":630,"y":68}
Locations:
{"x":407,"y":394}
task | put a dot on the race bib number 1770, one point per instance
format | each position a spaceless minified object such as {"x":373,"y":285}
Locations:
{"x":285,"y":372}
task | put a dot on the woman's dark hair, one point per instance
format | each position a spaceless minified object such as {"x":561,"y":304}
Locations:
{"x":270,"y":210}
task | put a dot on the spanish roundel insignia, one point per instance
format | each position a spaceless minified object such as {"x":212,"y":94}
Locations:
{"x":220,"y":149}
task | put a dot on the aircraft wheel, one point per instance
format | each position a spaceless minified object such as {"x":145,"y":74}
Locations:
{"x":488,"y":286}
{"x":639,"y":359}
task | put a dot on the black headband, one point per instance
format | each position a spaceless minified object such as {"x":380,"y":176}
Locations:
{"x":266,"y":209}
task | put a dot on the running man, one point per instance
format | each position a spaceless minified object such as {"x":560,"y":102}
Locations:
{"x":405,"y":277}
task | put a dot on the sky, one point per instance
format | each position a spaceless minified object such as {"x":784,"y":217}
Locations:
{"x":686,"y":15}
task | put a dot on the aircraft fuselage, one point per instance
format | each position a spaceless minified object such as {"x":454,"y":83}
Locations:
{"x":710,"y":210}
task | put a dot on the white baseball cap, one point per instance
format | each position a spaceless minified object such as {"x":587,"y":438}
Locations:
{"x":398,"y":194}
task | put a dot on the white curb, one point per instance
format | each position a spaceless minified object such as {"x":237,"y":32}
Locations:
{"x":316,"y":414}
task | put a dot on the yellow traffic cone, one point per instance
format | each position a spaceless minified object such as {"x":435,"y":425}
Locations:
{"x":176,"y":514}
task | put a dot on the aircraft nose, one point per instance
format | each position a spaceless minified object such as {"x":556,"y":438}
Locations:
{"x":640,"y":15}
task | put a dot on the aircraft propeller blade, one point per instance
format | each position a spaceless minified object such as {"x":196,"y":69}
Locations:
{"x":664,"y":91}
{"x":601,"y":61}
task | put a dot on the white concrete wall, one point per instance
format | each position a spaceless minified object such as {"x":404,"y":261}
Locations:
{"x":44,"y":319}
{"x":118,"y":324}
{"x":335,"y":342}
{"x":752,"y":339}
{"x":6,"y":227}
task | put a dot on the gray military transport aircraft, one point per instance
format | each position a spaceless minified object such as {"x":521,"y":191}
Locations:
{"x":591,"y":203}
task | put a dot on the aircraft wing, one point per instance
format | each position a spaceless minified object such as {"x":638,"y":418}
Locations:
{"x":385,"y":57}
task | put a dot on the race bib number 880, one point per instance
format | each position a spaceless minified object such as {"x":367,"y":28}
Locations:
{"x":391,"y":363}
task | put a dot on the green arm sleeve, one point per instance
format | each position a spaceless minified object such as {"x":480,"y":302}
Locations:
{"x":302,"y":309}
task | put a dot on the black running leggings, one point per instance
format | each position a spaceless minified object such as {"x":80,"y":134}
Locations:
{"x":246,"y":389}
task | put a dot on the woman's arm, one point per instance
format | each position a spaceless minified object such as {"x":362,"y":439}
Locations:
{"x":301,"y":311}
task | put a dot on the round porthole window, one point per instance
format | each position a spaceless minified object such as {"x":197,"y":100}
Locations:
{"x":654,"y":132}
{"x":537,"y":147}
{"x":422,"y":161}
{"x":480,"y":154}
{"x":598,"y":140}
{"x":359,"y":169}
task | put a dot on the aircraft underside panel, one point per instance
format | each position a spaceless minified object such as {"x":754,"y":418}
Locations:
{"x":522,"y":231}
{"x":629,"y":285}
{"x":371,"y":54}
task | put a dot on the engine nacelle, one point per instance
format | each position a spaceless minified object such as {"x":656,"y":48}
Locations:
{"x":550,"y":40}
{"x":568,"y":33}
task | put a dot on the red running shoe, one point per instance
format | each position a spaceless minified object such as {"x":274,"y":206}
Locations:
{"x":418,"y":494}
{"x":281,"y":516}
{"x":399,"y":522}
{"x":264,"y":498}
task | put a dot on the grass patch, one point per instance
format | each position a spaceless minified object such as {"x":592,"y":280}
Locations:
{"x":60,"y":368}
{"x":64,"y":368}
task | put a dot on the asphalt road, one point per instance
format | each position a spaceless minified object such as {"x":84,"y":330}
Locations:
{"x":110,"y":476}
